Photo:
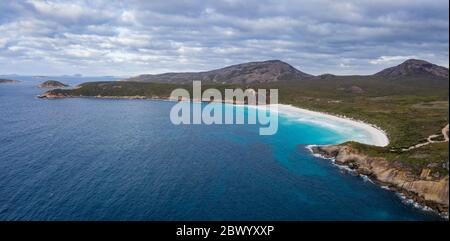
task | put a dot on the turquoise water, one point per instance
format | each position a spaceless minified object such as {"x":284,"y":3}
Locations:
{"x":98,"y":159}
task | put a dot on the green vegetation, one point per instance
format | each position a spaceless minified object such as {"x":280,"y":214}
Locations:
{"x":433,"y":156}
{"x":408,"y":109}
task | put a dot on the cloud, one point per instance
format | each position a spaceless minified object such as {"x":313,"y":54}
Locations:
{"x":134,"y":37}
{"x":391,"y":59}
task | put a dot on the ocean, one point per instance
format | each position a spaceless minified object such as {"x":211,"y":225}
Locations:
{"x":107,"y":159}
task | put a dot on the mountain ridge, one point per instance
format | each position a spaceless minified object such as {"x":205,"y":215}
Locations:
{"x":270,"y":71}
{"x":250,"y":72}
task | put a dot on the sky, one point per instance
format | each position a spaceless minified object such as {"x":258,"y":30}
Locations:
{"x":127,"y":38}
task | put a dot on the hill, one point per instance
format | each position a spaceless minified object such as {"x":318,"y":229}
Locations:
{"x":253,"y":72}
{"x":414,"y":67}
{"x":52,"y":84}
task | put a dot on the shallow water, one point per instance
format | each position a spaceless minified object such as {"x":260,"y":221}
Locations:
{"x":99,"y":159}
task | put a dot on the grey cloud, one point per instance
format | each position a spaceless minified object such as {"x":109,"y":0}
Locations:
{"x":133,"y":37}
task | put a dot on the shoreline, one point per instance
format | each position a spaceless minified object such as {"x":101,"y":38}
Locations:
{"x":378,"y":136}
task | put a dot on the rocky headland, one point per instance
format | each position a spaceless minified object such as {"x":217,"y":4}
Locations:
{"x":425,"y":189}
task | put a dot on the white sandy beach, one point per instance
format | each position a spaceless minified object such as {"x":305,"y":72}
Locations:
{"x":376,"y":136}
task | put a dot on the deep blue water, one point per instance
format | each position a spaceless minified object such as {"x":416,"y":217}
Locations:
{"x":91,"y":159}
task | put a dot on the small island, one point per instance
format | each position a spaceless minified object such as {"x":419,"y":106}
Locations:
{"x":52,"y":84}
{"x":8,"y":81}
